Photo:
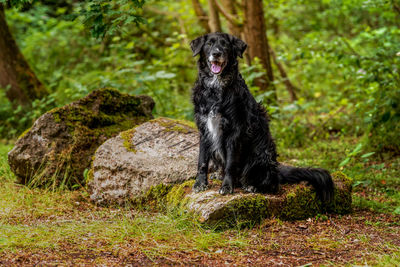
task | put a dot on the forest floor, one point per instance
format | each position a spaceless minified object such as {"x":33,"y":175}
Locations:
{"x":61,"y":227}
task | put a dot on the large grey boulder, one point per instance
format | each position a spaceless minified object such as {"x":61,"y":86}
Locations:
{"x":59,"y":146}
{"x":161,"y":151}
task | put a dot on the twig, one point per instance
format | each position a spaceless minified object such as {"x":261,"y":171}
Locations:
{"x":349,"y":46}
{"x":289,"y":86}
{"x":232,"y":19}
{"x":201,"y":15}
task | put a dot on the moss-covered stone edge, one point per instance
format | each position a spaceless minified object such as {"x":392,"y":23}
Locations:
{"x":299,"y":202}
{"x":163,"y":196}
{"x":127,"y":137}
{"x":170,"y":125}
{"x":83,"y":114}
{"x":175,"y":125}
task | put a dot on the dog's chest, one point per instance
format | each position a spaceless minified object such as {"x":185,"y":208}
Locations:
{"x":214,"y":125}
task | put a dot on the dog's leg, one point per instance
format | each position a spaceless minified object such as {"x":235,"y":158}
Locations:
{"x":202,"y":168}
{"x":231,"y":170}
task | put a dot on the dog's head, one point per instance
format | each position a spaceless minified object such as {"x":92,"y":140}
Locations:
{"x":217,"y":50}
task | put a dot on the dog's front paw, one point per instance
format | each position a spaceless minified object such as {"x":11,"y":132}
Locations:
{"x":226,"y":189}
{"x":199,"y":186}
{"x":250,"y":189}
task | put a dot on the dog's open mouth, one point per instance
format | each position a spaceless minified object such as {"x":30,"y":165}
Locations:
{"x":216,"y":67}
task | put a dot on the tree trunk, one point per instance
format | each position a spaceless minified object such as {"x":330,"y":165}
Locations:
{"x":15,"y":74}
{"x":201,"y":15}
{"x":233,"y":25}
{"x":214,"y":22}
{"x":256,"y":38}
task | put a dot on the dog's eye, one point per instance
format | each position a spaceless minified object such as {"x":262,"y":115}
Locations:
{"x":223,"y":43}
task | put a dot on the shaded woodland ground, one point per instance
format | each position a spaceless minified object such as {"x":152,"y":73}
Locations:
{"x":327,"y":72}
{"x":63,"y":227}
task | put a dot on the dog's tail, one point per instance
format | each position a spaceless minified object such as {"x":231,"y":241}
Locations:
{"x":319,"y":178}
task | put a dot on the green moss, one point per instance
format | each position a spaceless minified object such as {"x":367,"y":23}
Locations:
{"x":154,"y":198}
{"x":56,"y":117}
{"x":343,"y":178}
{"x":342,"y":201}
{"x":246,"y":211}
{"x":105,"y":112}
{"x":158,"y":192}
{"x":127,"y":137}
{"x":341,"y":204}
{"x":176,"y":197}
{"x":175,"y":125}
{"x":300,"y":203}
{"x":89,"y":176}
{"x":24,"y":133}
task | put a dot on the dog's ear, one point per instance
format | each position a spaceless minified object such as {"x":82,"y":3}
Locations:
{"x":197,"y":44}
{"x":238,"y":46}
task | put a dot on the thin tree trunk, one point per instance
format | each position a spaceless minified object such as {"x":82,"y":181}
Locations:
{"x":214,"y":22}
{"x":289,"y":86}
{"x":229,"y":11}
{"x":235,"y":24}
{"x":15,"y":74}
{"x":201,"y":15}
{"x":256,"y":38}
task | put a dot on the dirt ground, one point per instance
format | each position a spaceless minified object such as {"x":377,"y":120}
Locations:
{"x":359,"y":238}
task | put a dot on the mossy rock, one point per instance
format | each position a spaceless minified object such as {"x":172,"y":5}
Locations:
{"x":60,"y":145}
{"x":293,"y":202}
{"x":148,"y":158}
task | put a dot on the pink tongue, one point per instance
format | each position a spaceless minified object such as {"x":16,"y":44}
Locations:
{"x":215,"y":68}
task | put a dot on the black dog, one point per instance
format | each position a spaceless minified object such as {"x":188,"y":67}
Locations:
{"x":234,"y":128}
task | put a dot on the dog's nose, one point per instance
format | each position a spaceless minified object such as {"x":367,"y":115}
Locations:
{"x":216,"y":53}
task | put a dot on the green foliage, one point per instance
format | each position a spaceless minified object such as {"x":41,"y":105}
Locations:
{"x":106,"y":17}
{"x":342,"y":55}
{"x":71,"y":64}
{"x":15,"y":119}
{"x":16,"y":3}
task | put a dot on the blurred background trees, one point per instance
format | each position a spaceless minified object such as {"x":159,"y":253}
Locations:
{"x":22,"y":85}
{"x":324,"y":69}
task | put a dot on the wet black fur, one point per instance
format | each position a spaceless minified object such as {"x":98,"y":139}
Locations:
{"x":246,"y":151}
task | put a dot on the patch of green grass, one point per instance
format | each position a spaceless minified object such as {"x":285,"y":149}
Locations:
{"x":388,"y":260}
{"x":157,"y":234}
{"x":5,"y":172}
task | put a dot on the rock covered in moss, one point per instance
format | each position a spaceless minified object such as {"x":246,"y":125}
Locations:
{"x":291,"y":203}
{"x":161,"y":151}
{"x":61,"y":143}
